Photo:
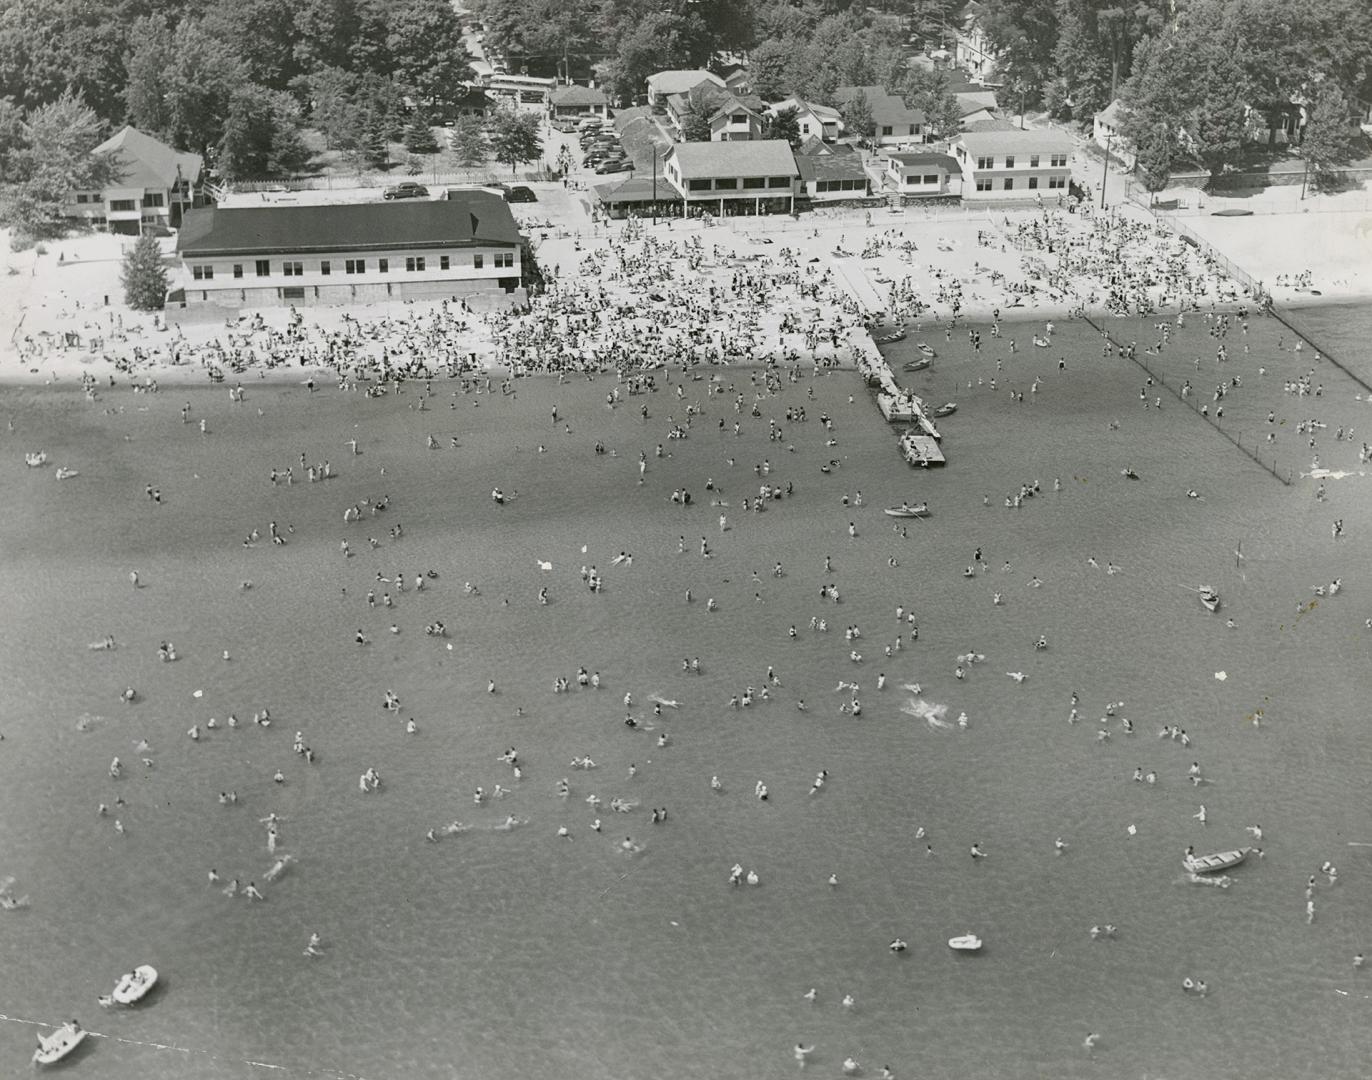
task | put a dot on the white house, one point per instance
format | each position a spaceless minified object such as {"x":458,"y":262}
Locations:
{"x":735,"y":119}
{"x":972,"y":49}
{"x":922,"y":174}
{"x":153,"y":185}
{"x":813,"y":119}
{"x":262,"y":256}
{"x":756,"y":176}
{"x":1014,"y":164}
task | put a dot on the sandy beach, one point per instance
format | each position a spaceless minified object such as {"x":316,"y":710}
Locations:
{"x":496,"y":952}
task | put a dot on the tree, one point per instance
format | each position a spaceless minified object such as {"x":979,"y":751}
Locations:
{"x":928,"y":91}
{"x":261,"y":33}
{"x":857,"y":116}
{"x":52,"y":160}
{"x":782,"y":124}
{"x":11,"y":136}
{"x":662,"y":40}
{"x":419,"y":137}
{"x":695,"y":119}
{"x":144,"y":277}
{"x":1024,"y":34}
{"x":261,"y":135}
{"x":767,"y":69}
{"x":467,"y":139}
{"x":1331,"y":137}
{"x":514,"y":138}
{"x":1155,"y":151}
{"x":425,"y":38}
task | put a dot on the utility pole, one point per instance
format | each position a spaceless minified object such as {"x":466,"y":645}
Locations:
{"x":1105,"y":169}
{"x":654,"y":185}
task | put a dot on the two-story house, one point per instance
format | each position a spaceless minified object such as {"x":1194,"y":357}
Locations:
{"x":894,"y":122}
{"x":259,"y":256}
{"x":1014,"y":164}
{"x":664,"y":84}
{"x":747,"y":177}
{"x":972,"y":49}
{"x":811,"y":118}
{"x":152,"y":187}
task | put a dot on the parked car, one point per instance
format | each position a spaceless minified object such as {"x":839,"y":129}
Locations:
{"x":595,"y":158}
{"x":521,"y":193}
{"x":615,"y":165}
{"x":407,"y":190}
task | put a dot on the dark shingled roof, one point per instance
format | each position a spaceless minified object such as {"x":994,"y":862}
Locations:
{"x":475,"y":217}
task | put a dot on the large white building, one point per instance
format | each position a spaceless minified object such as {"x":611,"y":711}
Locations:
{"x":746,"y":177}
{"x":337,"y":254}
{"x":1015,"y":164}
{"x":152,"y":186}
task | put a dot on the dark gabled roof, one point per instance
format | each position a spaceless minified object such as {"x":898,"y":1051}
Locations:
{"x":578,"y":95}
{"x":837,"y":166}
{"x":886,"y":108}
{"x":470,"y":217}
{"x":813,"y":146}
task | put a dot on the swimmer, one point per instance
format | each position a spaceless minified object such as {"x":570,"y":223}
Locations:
{"x":803,"y":1052}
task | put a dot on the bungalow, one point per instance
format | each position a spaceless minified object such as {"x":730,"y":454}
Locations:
{"x":569,"y":104}
{"x":1105,"y":131}
{"x":921,"y":174}
{"x":736,"y":119}
{"x":1012,"y":164}
{"x":832,"y":176}
{"x":893,"y":121}
{"x":152,"y":187}
{"x":975,"y":105}
{"x":757,"y":176}
{"x":812,"y":119}
{"x":263,"y":256}
{"x":664,"y":84}
{"x":736,"y":78}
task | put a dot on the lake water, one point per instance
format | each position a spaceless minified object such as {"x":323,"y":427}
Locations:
{"x":493,"y":954}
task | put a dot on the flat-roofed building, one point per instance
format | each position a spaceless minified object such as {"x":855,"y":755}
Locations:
{"x":747,"y":177}
{"x":343,"y":253}
{"x":921,"y":174}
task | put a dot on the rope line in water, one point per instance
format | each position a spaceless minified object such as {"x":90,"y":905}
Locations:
{"x":337,"y":1073}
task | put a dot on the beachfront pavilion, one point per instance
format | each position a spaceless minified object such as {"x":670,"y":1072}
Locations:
{"x":746,"y":177}
{"x":152,"y":187}
{"x":262,"y":256}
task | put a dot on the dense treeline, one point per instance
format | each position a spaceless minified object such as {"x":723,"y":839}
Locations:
{"x":234,"y":79}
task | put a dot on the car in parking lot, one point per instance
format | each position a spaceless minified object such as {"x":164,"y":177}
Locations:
{"x":521,"y":193}
{"x":406,"y":190}
{"x":615,"y":165}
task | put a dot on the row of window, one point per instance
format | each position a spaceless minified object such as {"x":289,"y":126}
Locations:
{"x":887,"y":129}
{"x":1008,"y":184}
{"x":1056,"y":161}
{"x":150,"y":199}
{"x":926,"y":180}
{"x":749,"y":183}
{"x":840,"y":185}
{"x":413,"y":264}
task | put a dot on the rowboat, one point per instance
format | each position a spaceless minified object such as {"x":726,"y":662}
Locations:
{"x":965,"y":943}
{"x":1209,"y":597}
{"x":907,"y":510}
{"x":946,"y":409}
{"x":925,"y":350}
{"x":892,"y":337}
{"x":1208,"y":864}
{"x":916,"y":365}
{"x":53,"y":1048}
{"x":135,"y":985}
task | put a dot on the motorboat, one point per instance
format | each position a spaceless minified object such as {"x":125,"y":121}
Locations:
{"x":917,"y":365}
{"x":965,"y":943}
{"x":907,"y":510}
{"x":134,"y":986}
{"x":1209,"y":864}
{"x":36,"y":461}
{"x":948,"y":408}
{"x":53,"y":1048}
{"x":925,"y":350}
{"x":1208,"y":597}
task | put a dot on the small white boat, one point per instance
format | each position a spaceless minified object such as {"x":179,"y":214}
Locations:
{"x":135,"y":985}
{"x":64,"y":473}
{"x":907,"y":510}
{"x":925,"y":350}
{"x":948,"y":408}
{"x":965,"y":943}
{"x":917,"y":365}
{"x":1209,"y":597}
{"x":53,"y":1048}
{"x":36,"y":461}
{"x":1208,"y":864}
